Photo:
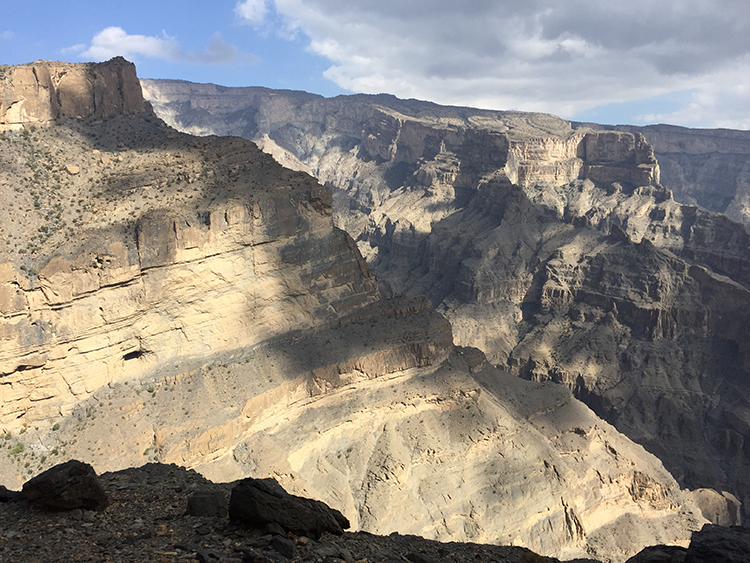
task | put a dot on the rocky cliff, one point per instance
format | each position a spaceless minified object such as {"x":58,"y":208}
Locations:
{"x":181,"y":299}
{"x":554,"y":249}
{"x":704,"y":167}
{"x":40,"y":92}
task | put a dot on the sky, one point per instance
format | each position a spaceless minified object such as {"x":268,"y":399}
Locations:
{"x":685,"y":62}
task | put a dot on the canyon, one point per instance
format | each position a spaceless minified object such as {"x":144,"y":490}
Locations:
{"x":558,"y":249}
{"x":174,"y":298}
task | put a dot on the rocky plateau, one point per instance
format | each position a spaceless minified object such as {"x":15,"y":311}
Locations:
{"x":173,"y":298}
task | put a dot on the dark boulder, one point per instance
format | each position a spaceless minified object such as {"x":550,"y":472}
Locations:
{"x":7,"y":495}
{"x":716,"y":543}
{"x":659,"y":554}
{"x":258,"y":502}
{"x":66,"y":486}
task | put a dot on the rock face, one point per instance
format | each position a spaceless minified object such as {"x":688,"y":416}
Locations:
{"x":705,"y":167}
{"x":128,"y":297}
{"x":187,"y":300}
{"x":38,"y":93}
{"x":553,"y":249}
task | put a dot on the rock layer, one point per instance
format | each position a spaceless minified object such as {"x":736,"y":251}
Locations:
{"x":202,"y":309}
{"x":705,"y":167}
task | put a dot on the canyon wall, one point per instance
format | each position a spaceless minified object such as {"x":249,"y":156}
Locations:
{"x":171,"y":298}
{"x":38,"y":93}
{"x":555,"y":249}
{"x":705,"y":167}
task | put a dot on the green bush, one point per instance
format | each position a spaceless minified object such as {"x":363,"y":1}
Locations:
{"x":17,"y":449}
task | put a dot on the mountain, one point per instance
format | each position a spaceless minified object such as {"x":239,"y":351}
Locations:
{"x":553,"y":247}
{"x":181,"y":299}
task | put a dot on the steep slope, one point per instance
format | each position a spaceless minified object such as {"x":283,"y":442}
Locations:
{"x":555,"y":250}
{"x":188,"y":300}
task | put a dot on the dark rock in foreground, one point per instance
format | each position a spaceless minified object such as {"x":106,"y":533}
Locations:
{"x":67,"y":486}
{"x":717,"y":543}
{"x":258,"y":502}
{"x":660,"y":554}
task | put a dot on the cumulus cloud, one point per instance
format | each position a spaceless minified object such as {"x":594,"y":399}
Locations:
{"x":559,"y":56}
{"x":114,"y":41}
{"x":251,"y":11}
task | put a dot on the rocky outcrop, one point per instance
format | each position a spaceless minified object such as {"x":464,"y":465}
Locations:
{"x":705,"y":167}
{"x":38,"y":93}
{"x":172,"y":285}
{"x":553,"y":248}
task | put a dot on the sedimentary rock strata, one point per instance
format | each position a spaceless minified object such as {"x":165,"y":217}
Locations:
{"x":40,"y":92}
{"x":188,"y":300}
{"x":553,"y":248}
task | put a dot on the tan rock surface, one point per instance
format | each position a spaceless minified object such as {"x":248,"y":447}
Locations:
{"x":40,"y":92}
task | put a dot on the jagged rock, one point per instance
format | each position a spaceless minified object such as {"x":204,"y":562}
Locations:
{"x":66,"y":486}
{"x":258,"y":502}
{"x":718,"y":543}
{"x":660,"y":554}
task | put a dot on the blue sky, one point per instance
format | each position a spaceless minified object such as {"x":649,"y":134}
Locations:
{"x":685,"y":62}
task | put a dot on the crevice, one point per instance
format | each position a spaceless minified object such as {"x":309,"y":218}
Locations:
{"x":135,"y":354}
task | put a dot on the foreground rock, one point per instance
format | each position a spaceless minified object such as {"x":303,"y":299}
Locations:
{"x":146,"y":521}
{"x":718,"y":543}
{"x":70,"y":485}
{"x":260,"y":502}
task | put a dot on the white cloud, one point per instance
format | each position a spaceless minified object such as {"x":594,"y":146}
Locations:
{"x":559,"y":56}
{"x":6,"y":35}
{"x":114,"y":41}
{"x":73,"y":49}
{"x":251,"y":11}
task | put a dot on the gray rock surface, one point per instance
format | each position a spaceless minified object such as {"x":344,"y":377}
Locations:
{"x":259,"y":502}
{"x":660,"y":554}
{"x":207,"y":503}
{"x":718,"y":543}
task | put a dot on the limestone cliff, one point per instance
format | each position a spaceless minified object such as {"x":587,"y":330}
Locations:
{"x":40,"y":92}
{"x":554,"y":249}
{"x":182,"y":299}
{"x":705,"y":167}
